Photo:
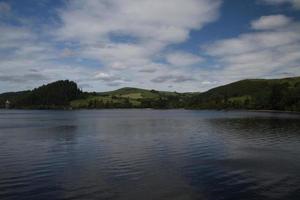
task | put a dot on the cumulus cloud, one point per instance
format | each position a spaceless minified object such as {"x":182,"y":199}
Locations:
{"x":99,"y":26}
{"x":250,"y":42}
{"x":12,"y":36}
{"x":106,"y":77}
{"x":96,"y":20}
{"x":118,"y":55}
{"x":172,"y":78}
{"x":110,"y":79}
{"x":23,"y":78}
{"x":183,"y":59}
{"x":270,"y":52}
{"x":271,"y":22}
{"x":26,"y":59}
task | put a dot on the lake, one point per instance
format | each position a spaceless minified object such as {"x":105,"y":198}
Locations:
{"x":149,"y":154}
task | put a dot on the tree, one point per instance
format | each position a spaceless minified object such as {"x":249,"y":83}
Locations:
{"x":277,"y":96}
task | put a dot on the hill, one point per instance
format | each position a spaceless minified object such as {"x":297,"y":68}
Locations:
{"x":271,"y":94}
{"x":53,"y":95}
{"x":259,"y":94}
{"x":131,"y":98}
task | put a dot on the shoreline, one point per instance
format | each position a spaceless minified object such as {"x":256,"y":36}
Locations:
{"x":276,"y":111}
{"x":229,"y":110}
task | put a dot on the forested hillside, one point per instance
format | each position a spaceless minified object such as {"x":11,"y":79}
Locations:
{"x":54,"y":95}
{"x":258,"y":94}
{"x":273,"y":94}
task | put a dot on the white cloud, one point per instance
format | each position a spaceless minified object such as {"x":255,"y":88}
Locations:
{"x":183,"y":59}
{"x":173,"y":78}
{"x":117,"y":55}
{"x":148,"y":26}
{"x":11,"y":36}
{"x":27,"y":61}
{"x":23,"y":78}
{"x":253,"y":42}
{"x":110,"y":79}
{"x":106,"y":77}
{"x":270,"y":22}
{"x":271,"y":52}
{"x":97,"y":19}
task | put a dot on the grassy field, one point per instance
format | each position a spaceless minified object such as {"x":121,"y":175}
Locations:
{"x":123,"y":96}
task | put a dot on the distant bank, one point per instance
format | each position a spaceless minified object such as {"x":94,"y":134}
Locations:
{"x":250,"y":94}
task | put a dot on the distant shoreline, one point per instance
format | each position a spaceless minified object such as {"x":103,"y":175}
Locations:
{"x":224,"y":110}
{"x":276,"y":111}
{"x":274,"y":95}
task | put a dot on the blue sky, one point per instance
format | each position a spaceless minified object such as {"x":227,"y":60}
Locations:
{"x":182,"y":45}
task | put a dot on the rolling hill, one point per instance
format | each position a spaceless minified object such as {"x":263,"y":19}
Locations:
{"x":55,"y":95}
{"x":274,"y":94}
{"x":258,"y":94}
{"x":130,"y":98}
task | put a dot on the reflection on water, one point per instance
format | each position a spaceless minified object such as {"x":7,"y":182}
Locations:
{"x":149,"y":154}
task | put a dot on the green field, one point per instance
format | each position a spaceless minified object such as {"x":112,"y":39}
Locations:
{"x":123,"y":98}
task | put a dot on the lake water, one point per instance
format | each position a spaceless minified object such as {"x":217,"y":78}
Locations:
{"x":149,"y":154}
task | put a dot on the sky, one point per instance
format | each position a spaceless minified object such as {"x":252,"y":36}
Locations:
{"x":174,"y":45}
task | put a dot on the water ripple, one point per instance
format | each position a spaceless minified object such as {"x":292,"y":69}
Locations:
{"x":149,"y":154}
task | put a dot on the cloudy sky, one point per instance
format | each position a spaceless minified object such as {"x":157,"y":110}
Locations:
{"x":182,"y":45}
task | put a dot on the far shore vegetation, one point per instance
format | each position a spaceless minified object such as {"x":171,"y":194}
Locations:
{"x":251,"y":94}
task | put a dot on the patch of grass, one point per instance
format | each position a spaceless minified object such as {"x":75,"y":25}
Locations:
{"x":240,"y":98}
{"x":133,"y":95}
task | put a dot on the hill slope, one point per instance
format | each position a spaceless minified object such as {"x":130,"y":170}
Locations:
{"x":273,"y":94}
{"x":54,"y":95}
{"x":131,"y":98}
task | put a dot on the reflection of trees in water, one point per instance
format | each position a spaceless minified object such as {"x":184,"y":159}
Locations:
{"x":256,"y":126}
{"x":61,"y":126}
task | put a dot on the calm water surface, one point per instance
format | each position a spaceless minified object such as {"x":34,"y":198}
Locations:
{"x":149,"y":154}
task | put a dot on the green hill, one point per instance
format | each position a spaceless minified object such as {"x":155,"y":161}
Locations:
{"x":250,"y":86}
{"x":130,"y":98}
{"x":54,"y":95}
{"x":275,"y":94}
{"x":261,"y":94}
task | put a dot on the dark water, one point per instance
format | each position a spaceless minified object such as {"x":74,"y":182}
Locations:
{"x":149,"y":154}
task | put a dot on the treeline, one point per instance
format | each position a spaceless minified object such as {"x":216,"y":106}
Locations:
{"x":54,"y":95}
{"x":100,"y":104}
{"x":164,"y":102}
{"x":251,"y":94}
